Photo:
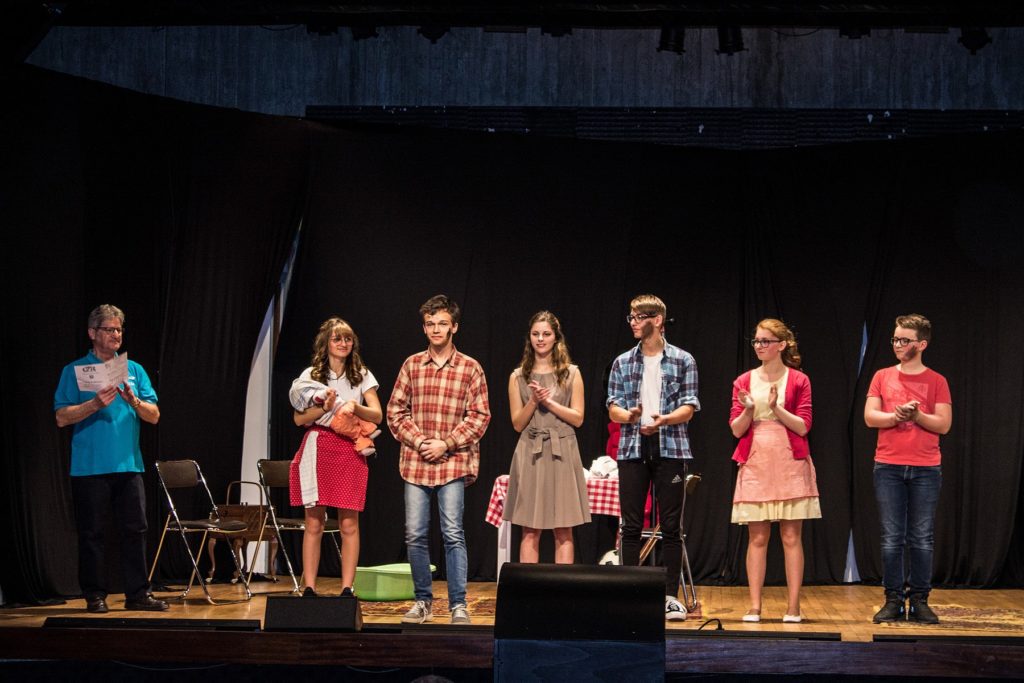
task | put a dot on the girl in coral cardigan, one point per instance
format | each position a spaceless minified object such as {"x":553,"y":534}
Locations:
{"x":771,"y":415}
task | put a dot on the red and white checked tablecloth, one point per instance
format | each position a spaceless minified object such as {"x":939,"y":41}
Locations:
{"x":603,"y":495}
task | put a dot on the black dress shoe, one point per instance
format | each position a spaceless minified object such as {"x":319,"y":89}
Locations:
{"x":147,"y":603}
{"x":309,"y":593}
{"x":96,"y":605}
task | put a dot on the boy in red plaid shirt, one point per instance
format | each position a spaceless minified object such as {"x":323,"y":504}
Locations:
{"x":438,"y":412}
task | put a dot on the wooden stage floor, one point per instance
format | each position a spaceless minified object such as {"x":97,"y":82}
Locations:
{"x":981,"y":634}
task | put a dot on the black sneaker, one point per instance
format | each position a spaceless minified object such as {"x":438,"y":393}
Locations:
{"x":920,"y":611}
{"x":894,"y":609}
{"x":309,"y":593}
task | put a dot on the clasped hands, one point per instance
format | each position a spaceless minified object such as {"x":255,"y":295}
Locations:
{"x":433,"y":450}
{"x":906,"y":412}
{"x":540,"y":394}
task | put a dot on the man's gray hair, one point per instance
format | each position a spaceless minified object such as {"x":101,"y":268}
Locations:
{"x":105,"y":312}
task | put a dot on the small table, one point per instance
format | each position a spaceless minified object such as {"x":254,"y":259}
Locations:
{"x":602,"y":494}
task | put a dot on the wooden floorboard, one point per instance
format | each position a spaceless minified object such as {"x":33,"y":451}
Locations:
{"x":985,"y":647}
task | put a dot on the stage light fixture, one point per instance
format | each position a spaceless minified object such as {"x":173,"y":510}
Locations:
{"x":433,"y":32}
{"x":854,"y":32}
{"x":673,"y":39}
{"x":364,"y":32}
{"x":730,"y":40}
{"x":974,"y":38}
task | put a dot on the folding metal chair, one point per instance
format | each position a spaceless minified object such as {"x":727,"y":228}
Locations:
{"x":181,"y":474}
{"x":274,"y":475}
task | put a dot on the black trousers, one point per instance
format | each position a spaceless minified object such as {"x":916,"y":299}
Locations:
{"x":94,"y":497}
{"x":669,"y":477}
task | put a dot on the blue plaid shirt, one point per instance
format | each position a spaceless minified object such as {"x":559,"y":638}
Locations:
{"x":678,"y":388}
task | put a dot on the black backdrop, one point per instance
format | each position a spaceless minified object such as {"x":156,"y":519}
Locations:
{"x":195,"y":208}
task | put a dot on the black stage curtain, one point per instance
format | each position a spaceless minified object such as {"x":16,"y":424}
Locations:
{"x":509,"y":226}
{"x":183,"y":217}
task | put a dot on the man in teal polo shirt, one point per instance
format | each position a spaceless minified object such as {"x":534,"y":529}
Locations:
{"x":106,"y":465}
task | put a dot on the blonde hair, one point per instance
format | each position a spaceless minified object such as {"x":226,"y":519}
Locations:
{"x":648,"y":303}
{"x":790,"y":354}
{"x":559,"y":352}
{"x":354,"y":370}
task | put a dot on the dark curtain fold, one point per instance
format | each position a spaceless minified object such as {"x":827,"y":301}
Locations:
{"x":239,"y":186}
{"x":84,"y":183}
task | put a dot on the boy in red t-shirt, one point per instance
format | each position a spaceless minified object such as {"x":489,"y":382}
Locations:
{"x":910,"y":406}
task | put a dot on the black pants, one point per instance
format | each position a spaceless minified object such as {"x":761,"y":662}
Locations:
{"x":669,"y":477}
{"x":94,"y":497}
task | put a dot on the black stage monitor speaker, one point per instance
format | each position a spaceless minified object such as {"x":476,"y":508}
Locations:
{"x":570,"y":622}
{"x":320,"y":613}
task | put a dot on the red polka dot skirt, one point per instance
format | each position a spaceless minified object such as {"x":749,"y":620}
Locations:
{"x":327,"y":470}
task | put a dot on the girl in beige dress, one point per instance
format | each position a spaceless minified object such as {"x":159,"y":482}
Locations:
{"x":546,"y":487}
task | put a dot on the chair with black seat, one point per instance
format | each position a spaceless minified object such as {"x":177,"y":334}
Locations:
{"x":274,"y":475}
{"x":182,"y":474}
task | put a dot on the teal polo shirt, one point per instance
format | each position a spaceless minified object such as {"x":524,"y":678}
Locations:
{"x":108,"y":440}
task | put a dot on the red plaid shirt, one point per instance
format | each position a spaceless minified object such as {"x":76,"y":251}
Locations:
{"x":448,"y":403}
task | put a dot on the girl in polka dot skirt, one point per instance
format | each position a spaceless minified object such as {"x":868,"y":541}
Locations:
{"x":327,"y":470}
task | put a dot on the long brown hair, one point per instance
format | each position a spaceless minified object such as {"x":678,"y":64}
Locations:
{"x":354,"y":370}
{"x":790,"y":354}
{"x":559,"y":352}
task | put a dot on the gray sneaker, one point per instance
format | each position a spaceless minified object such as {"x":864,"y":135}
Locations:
{"x":460,"y":615}
{"x":419,"y":613}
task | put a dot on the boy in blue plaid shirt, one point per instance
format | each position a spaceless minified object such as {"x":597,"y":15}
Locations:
{"x":652,"y":393}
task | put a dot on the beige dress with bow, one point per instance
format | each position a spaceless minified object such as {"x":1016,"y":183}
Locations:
{"x":546,"y":486}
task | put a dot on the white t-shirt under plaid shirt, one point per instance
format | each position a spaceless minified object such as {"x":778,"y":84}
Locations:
{"x":447,"y":402}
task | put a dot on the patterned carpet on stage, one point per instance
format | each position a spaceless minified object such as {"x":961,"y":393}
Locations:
{"x":973,"y":619}
{"x":483,"y":607}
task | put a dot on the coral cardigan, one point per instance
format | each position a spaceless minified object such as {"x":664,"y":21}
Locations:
{"x":798,"y":402}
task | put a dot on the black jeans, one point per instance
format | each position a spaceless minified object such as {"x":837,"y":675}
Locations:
{"x":669,"y":477}
{"x":94,"y":496}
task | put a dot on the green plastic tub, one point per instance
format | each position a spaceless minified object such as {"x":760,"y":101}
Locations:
{"x":385,"y":582}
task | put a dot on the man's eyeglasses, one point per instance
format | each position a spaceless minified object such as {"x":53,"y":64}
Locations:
{"x":902,"y":341}
{"x":639,"y":317}
{"x":763,"y":342}
{"x":110,"y":330}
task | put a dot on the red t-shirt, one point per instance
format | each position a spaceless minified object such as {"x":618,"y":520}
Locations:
{"x":908,"y":443}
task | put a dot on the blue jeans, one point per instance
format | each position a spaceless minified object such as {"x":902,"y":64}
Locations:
{"x":907,"y":498}
{"x":450,"y":502}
